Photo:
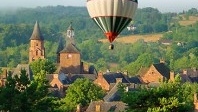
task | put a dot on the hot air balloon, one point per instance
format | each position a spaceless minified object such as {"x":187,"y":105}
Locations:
{"x":112,"y":16}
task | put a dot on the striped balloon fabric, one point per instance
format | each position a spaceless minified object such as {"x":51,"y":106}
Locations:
{"x":112,"y":16}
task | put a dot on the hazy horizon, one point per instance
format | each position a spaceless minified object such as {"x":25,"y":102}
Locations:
{"x":161,"y":5}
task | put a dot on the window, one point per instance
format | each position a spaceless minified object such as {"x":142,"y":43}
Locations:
{"x":36,"y":52}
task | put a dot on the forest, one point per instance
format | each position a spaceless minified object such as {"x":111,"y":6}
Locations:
{"x":16,"y":28}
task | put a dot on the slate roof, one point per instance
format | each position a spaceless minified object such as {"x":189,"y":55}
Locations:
{"x":70,"y":48}
{"x":36,"y":35}
{"x":72,"y":77}
{"x":135,"y":80}
{"x":111,"y":77}
{"x":192,"y":75}
{"x":193,"y":79}
{"x":20,"y":67}
{"x":112,"y":95}
{"x":49,"y":77}
{"x":192,"y":72}
{"x":162,"y":69}
{"x":107,"y":106}
{"x":60,"y":46}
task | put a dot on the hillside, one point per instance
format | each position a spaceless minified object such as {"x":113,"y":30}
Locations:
{"x":134,"y":38}
{"x":191,"y":20}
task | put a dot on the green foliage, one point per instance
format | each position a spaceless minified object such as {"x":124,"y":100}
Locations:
{"x":21,"y":95}
{"x":82,"y":91}
{"x":192,"y":11}
{"x":150,"y":20}
{"x":1,"y":71}
{"x":168,"y":97}
{"x":144,"y":60}
{"x":101,"y":64}
{"x":42,"y":64}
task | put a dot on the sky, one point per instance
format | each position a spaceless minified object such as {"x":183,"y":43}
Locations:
{"x":162,"y":5}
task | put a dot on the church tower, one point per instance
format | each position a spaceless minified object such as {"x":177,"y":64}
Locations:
{"x":36,"y":50}
{"x":70,"y":58}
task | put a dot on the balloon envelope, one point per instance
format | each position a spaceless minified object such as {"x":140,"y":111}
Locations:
{"x":112,"y":16}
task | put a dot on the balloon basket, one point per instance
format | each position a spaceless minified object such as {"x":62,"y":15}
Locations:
{"x":111,"y":47}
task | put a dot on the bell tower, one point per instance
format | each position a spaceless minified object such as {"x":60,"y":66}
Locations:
{"x":70,"y":34}
{"x":70,"y":58}
{"x":36,"y":50}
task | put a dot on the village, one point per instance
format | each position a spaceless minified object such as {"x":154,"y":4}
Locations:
{"x":69,"y":67}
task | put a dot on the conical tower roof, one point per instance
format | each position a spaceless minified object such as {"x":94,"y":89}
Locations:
{"x":36,"y":35}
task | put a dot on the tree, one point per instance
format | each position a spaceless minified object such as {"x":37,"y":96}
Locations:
{"x":168,"y":97}
{"x":101,"y":64}
{"x":144,"y":60}
{"x":11,"y":95}
{"x":21,"y":95}
{"x":42,"y":64}
{"x":1,"y":71}
{"x":82,"y":91}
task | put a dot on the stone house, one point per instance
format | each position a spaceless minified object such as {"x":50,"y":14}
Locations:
{"x":60,"y":82}
{"x":110,"y":81}
{"x":156,"y":73}
{"x":26,"y":67}
{"x":101,"y":106}
{"x":189,"y":75}
{"x":107,"y":81}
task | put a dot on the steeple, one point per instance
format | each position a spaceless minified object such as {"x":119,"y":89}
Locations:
{"x":36,"y":49}
{"x":70,"y":34}
{"x":36,"y":35}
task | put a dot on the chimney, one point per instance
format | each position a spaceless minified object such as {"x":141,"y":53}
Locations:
{"x":194,"y":69}
{"x":185,"y":72}
{"x":100,"y":75}
{"x":126,"y":73}
{"x":55,"y":76}
{"x":78,"y":108}
{"x":97,"y":107}
{"x":162,"y":60}
{"x":172,"y":76}
{"x":118,"y":80}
